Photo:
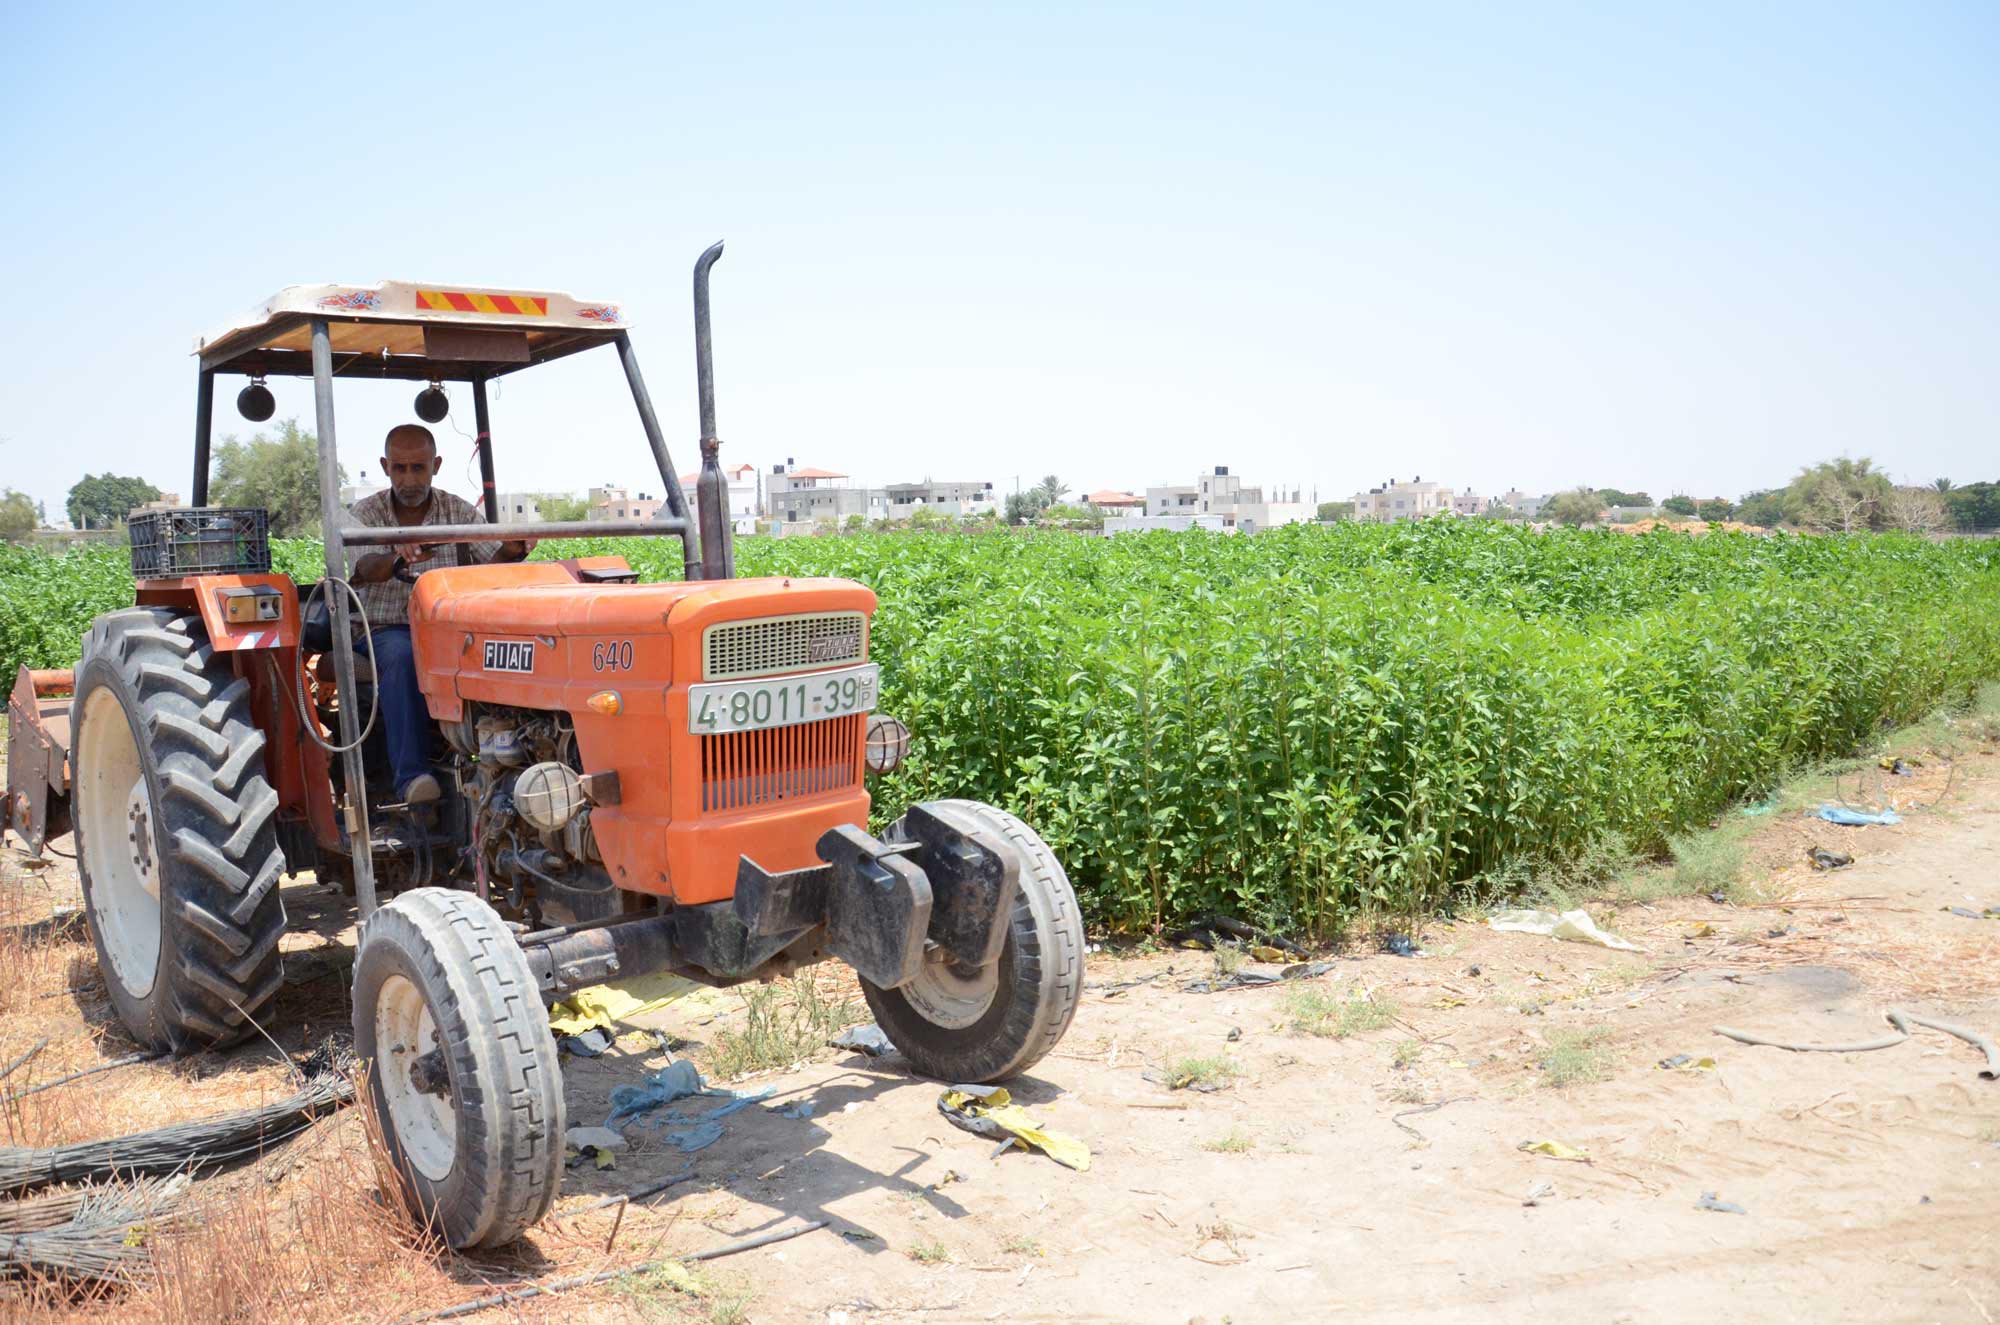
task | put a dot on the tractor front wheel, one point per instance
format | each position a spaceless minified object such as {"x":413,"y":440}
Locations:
{"x":462,"y":1070}
{"x":979,"y":1024}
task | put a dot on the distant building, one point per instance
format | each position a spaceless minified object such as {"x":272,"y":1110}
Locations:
{"x":528,"y":507}
{"x":1113,"y":502}
{"x":520,"y":507}
{"x":1469,"y":503}
{"x":954,"y":499}
{"x":608,"y":503}
{"x":1396,"y":500}
{"x":1225,"y":496}
{"x":743,"y":495}
{"x":1521,"y":504}
{"x":166,"y":501}
{"x":807,"y":496}
{"x":796,"y":495}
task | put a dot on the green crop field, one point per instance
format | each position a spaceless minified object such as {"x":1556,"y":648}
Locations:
{"x":1295,"y":725}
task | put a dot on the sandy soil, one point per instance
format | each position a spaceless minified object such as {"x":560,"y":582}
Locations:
{"x":1378,"y":1176}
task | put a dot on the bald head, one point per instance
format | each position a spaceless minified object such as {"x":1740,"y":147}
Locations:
{"x":410,"y":459}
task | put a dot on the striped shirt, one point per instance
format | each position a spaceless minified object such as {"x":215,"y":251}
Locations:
{"x":388,"y":603}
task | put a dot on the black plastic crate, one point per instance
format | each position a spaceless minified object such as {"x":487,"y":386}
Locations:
{"x":207,"y":540}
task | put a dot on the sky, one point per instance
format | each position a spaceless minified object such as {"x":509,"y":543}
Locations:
{"x":1667,"y":247}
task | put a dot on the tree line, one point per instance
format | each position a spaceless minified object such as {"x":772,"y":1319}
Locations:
{"x":279,"y":473}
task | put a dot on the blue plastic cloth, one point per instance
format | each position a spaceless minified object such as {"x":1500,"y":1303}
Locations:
{"x":674,"y":1081}
{"x":699,"y":1137}
{"x":737,"y":1102}
{"x":1840,"y":814}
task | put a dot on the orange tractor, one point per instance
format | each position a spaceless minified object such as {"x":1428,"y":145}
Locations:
{"x":639,"y":777}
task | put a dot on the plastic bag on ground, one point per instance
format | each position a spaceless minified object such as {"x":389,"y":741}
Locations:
{"x":989,"y":1111}
{"x":672,"y":1082}
{"x":1571,"y":926}
{"x":867,"y":1039}
{"x":1840,"y":814}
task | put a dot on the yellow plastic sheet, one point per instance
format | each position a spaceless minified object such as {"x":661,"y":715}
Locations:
{"x":1556,"y":1150}
{"x":993,"y":1114}
{"x":603,"y":1005}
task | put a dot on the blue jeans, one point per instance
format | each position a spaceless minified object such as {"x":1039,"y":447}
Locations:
{"x":406,"y":719}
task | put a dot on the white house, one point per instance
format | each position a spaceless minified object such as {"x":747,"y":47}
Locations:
{"x":1395,"y":500}
{"x":1226,"y":497}
{"x":743,"y":495}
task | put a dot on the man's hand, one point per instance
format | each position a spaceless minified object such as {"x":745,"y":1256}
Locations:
{"x":375,"y":568}
{"x":517,"y":550}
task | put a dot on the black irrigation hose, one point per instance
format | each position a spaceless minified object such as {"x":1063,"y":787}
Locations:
{"x":1990,"y":1072}
{"x":201,"y":1144}
{"x":637,"y":1194}
{"x":1898,"y":1018}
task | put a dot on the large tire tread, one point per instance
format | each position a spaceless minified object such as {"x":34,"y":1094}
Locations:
{"x":505,"y":1076}
{"x":223,"y":915}
{"x":1041,"y":973}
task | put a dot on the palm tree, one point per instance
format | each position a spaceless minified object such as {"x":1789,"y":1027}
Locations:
{"x":1052,"y":489}
{"x":1941,"y":484}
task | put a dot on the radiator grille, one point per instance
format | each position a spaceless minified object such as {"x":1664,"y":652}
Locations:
{"x":742,"y":769}
{"x":783,"y":644}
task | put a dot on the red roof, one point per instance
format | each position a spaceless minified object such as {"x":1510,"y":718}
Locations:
{"x":814,"y":473}
{"x":1112,"y":497}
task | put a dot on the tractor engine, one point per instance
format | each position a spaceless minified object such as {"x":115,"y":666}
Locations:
{"x":531,"y":848}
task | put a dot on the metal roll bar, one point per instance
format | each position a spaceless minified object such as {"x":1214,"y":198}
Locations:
{"x":399,"y":535}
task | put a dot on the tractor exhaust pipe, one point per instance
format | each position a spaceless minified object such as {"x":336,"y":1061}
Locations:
{"x":711,"y":490}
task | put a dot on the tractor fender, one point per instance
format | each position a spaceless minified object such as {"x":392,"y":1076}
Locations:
{"x":209,"y":595}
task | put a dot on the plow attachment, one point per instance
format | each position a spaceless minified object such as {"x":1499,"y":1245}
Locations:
{"x":38,"y":756}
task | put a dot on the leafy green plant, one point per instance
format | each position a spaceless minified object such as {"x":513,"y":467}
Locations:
{"x":1323,"y":721}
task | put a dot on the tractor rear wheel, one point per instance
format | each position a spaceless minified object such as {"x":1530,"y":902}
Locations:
{"x":462,"y":1070}
{"x":175,"y":841}
{"x":979,"y":1024}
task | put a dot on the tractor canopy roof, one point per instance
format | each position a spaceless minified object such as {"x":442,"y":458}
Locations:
{"x":413,"y":330}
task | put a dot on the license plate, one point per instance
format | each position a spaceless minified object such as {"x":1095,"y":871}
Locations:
{"x":781,"y":701}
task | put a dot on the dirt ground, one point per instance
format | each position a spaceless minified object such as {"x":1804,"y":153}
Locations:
{"x":1379,"y":1175}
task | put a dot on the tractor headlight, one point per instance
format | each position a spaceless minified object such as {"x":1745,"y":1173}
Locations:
{"x":888,"y":743}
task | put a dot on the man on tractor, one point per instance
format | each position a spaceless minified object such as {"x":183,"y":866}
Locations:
{"x":642,"y":776}
{"x":382,"y":581}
